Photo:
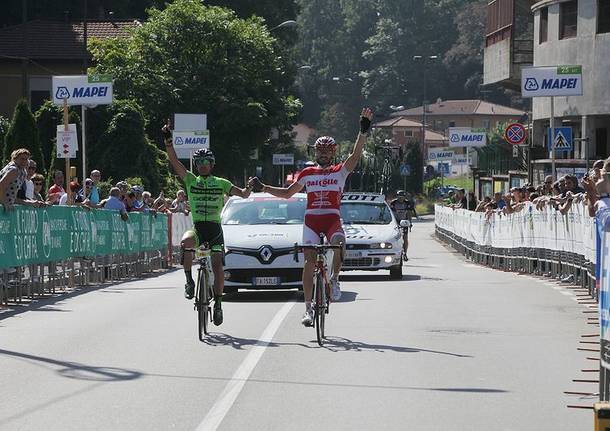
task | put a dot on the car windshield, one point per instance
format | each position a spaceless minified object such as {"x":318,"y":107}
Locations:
{"x":361,"y":213}
{"x":253,"y":211}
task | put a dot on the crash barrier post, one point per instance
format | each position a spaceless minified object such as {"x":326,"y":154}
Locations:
{"x":572,"y":247}
{"x":43,"y":250}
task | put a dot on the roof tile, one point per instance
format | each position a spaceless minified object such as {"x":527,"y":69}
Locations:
{"x":57,"y":39}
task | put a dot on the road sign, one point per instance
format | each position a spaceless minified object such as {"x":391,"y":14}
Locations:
{"x":189,"y":122}
{"x":405,"y":170}
{"x":466,"y":137}
{"x":515,"y":134}
{"x":443,"y":168}
{"x":438,"y":154}
{"x":551,"y":81}
{"x":563,"y":139}
{"x":283,"y":159}
{"x":66,"y":142}
{"x":82,"y":89}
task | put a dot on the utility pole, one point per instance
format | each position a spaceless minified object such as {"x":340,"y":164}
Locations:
{"x":25,"y":45}
{"x":424,"y":59}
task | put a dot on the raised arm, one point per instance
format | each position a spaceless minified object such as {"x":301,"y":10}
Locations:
{"x":365,"y":125}
{"x":280,"y":192}
{"x":171,"y":153}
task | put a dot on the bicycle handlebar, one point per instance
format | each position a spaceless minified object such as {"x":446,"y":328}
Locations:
{"x":320,"y":248}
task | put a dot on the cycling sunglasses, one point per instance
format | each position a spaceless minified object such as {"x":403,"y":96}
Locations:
{"x":202,"y":162}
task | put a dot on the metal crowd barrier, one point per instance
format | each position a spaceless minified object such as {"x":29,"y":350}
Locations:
{"x":554,"y":264}
{"x":46,"y":251}
{"x":538,"y":242}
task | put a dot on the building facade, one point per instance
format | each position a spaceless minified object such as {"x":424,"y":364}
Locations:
{"x":574,"y":32}
{"x":557,"y":33}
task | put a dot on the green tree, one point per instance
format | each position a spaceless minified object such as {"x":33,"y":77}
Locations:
{"x":23,"y":133}
{"x":4,"y":125}
{"x":124,"y":151}
{"x":193,"y":58}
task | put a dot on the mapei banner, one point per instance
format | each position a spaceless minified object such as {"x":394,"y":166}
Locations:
{"x":39,"y":235}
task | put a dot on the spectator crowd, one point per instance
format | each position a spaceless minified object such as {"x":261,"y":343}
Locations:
{"x":20,"y":183}
{"x":560,"y":194}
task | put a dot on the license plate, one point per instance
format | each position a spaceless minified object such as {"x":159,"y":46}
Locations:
{"x":353,"y":254}
{"x":266,"y":281}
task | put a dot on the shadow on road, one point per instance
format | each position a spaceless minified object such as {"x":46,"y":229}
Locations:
{"x":75,"y":370}
{"x":221,"y":339}
{"x":41,"y":303}
{"x":340,"y":344}
{"x":376,"y":277}
{"x":262,"y":296}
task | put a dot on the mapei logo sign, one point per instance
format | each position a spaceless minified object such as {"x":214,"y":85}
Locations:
{"x":551,"y":81}
{"x":466,"y":137}
{"x":82,"y":90}
{"x":192,"y":140}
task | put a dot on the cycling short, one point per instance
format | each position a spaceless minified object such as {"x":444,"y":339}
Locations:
{"x":328,"y":224}
{"x":210,"y":232}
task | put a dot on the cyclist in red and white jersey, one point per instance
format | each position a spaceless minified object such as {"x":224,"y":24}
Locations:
{"x":324,"y":184}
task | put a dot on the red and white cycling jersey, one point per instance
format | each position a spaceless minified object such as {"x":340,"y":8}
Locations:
{"x":324,"y":188}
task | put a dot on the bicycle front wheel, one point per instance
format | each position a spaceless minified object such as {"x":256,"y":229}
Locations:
{"x":319,"y":307}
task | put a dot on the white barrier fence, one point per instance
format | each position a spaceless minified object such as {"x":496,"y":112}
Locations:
{"x":180,"y":224}
{"x":545,"y":229}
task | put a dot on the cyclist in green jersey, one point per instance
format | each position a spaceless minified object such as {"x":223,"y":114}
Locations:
{"x":206,"y":195}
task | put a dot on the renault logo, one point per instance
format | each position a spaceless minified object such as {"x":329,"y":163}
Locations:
{"x":266,"y":253}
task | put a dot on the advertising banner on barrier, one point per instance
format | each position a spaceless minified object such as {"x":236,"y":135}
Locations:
{"x":38,"y":235}
{"x":603,"y":284}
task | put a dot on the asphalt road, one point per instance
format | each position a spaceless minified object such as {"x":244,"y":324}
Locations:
{"x":452,"y":346}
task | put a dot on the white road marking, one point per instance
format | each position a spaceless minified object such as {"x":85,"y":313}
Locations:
{"x":231,"y":391}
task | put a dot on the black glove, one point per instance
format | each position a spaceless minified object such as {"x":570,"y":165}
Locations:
{"x":257,"y":186}
{"x":166,"y":132}
{"x":365,"y":125}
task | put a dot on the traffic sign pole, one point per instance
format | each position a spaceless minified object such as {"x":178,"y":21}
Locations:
{"x":84,"y":139}
{"x":67,"y":128}
{"x":553,"y":138}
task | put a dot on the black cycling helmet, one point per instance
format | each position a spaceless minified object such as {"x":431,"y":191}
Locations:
{"x":203,"y":154}
{"x":401,"y":193}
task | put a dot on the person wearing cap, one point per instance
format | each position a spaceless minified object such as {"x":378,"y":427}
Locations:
{"x":138,"y":203}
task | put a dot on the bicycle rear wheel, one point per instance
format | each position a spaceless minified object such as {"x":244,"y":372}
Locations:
{"x":319,"y":307}
{"x":203,"y":300}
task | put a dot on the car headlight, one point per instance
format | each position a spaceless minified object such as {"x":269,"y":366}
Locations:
{"x":227,"y":275}
{"x":382,"y":245}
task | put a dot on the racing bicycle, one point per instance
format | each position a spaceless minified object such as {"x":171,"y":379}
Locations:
{"x":321,"y":285}
{"x":203,"y":288}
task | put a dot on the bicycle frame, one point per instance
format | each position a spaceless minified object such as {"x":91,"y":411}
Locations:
{"x":321,"y":285}
{"x":203,"y":288}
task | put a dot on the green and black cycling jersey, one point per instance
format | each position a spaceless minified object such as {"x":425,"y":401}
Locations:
{"x":206,"y":196}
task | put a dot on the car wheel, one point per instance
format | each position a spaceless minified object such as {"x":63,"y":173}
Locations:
{"x":396,"y":272}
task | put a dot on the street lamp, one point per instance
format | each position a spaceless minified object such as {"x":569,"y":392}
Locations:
{"x":424,"y":59}
{"x":289,"y":23}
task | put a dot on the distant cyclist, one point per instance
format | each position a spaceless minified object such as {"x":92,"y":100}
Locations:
{"x":403,"y":208}
{"x":206,"y":195}
{"x":324,"y":183}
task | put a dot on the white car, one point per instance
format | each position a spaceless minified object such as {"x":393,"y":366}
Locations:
{"x":373,"y":237}
{"x":260,"y":233}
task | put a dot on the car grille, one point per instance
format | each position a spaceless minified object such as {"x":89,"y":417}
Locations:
{"x":362,"y":262}
{"x":358,"y":246}
{"x":287,"y":275}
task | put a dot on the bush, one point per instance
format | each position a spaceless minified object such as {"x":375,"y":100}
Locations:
{"x":23,"y":133}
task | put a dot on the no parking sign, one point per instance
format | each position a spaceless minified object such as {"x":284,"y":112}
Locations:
{"x":515,"y":134}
